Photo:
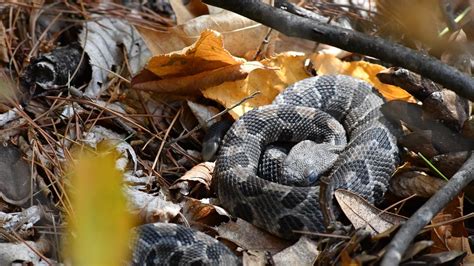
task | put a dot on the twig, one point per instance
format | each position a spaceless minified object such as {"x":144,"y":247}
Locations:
{"x":302,"y":12}
{"x":263,"y":45}
{"x":33,"y":248}
{"x":99,"y":106}
{"x":296,"y":26}
{"x":450,"y":221}
{"x":448,"y":14}
{"x":423,"y":215}
{"x":157,"y":157}
{"x":198,"y":127}
{"x":321,"y":234}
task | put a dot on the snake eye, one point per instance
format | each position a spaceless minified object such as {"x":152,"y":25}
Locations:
{"x":311,"y":176}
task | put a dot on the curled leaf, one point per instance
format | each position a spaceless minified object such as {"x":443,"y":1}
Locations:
{"x":204,"y":64}
{"x":364,"y":215}
{"x":195,"y":182}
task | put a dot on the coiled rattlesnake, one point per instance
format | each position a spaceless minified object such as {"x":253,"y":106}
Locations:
{"x":337,"y":109}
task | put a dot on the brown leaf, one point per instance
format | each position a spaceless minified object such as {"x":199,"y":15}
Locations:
{"x":446,"y":258}
{"x":195,"y":182}
{"x":250,"y":237}
{"x":241,"y":34}
{"x":419,"y":141}
{"x":364,"y":215}
{"x":449,"y":163}
{"x":199,"y":211}
{"x":347,"y":260}
{"x":192,"y":9}
{"x":451,"y":236}
{"x":468,"y":128}
{"x":406,"y":183}
{"x":208,"y":67}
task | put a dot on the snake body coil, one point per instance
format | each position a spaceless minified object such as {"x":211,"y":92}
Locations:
{"x":341,"y":110}
{"x":306,"y":110}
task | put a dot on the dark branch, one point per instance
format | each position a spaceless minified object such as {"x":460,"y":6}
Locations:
{"x":296,"y":26}
{"x":423,"y":215}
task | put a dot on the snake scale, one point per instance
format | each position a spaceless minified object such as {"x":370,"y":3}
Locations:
{"x":335,"y":109}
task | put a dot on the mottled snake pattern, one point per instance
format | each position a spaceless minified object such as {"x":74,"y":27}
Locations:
{"x":336,"y":109}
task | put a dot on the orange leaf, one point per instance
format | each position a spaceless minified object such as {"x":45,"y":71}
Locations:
{"x":204,"y":64}
{"x":281,"y":71}
{"x":326,"y":64}
{"x":205,"y":54}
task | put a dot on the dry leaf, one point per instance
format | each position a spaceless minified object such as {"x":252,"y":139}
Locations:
{"x":150,"y":208}
{"x":199,"y":211}
{"x":196,"y":182}
{"x":15,"y":176}
{"x":181,"y":11}
{"x":241,"y":34}
{"x":446,"y":258}
{"x":101,"y":40}
{"x":303,"y":252}
{"x":188,"y":121}
{"x":347,"y":260}
{"x":22,"y":222}
{"x":255,"y":258}
{"x":406,"y":183}
{"x":203,"y":113}
{"x":204,"y":64}
{"x":364,"y":215}
{"x":416,"y":248}
{"x":449,"y":163}
{"x":281,"y":71}
{"x":250,"y":237}
{"x":451,"y":236}
{"x":208,"y":68}
{"x":326,"y":64}
{"x":26,"y":252}
{"x":190,"y":85}
{"x":205,"y":54}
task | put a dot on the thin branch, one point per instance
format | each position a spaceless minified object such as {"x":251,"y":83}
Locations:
{"x":423,"y":215}
{"x":296,"y":26}
{"x":198,"y":127}
{"x":157,"y":157}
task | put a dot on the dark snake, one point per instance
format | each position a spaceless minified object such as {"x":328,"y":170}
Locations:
{"x":335,"y":109}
